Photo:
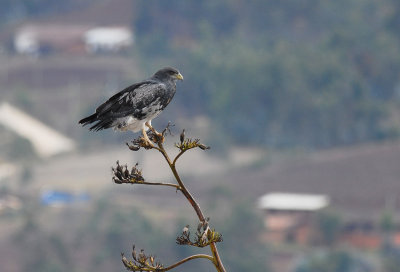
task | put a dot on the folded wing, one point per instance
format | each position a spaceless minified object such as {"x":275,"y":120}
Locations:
{"x":134,"y":101}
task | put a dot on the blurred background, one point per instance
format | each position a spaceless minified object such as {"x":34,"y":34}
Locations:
{"x":299,"y":101}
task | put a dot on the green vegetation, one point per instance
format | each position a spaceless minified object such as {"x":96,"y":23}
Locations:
{"x":329,"y":224}
{"x":314,"y":74}
{"x":242,"y":247}
{"x":65,"y":239}
{"x":280,"y":74}
{"x":20,"y":149}
{"x":335,"y":261}
{"x":14,"y":10}
{"x":387,"y":223}
{"x":285,"y":73}
{"x":390,"y":258}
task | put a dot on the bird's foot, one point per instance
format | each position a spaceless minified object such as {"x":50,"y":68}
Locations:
{"x":137,"y":143}
{"x":157,"y":136}
{"x":147,"y":144}
{"x":145,"y":141}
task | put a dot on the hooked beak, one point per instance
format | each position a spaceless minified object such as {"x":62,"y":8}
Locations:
{"x":179,"y":76}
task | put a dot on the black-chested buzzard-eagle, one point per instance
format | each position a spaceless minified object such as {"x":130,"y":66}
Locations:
{"x":134,"y":107}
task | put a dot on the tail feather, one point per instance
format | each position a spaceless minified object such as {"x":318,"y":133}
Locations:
{"x":100,"y":123}
{"x":88,"y":120}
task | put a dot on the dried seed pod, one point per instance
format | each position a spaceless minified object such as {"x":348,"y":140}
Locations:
{"x":203,"y":147}
{"x":182,"y":136}
{"x":134,"y":253}
{"x":125,"y":261}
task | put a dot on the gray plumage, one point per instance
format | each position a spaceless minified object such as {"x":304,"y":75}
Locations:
{"x":137,"y":104}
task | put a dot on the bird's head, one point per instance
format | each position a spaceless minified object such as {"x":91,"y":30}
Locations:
{"x":168,"y":73}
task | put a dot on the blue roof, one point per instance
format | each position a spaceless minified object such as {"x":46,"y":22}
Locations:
{"x":61,"y":197}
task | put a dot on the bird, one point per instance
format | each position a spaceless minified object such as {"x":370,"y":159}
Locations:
{"x":134,"y":107}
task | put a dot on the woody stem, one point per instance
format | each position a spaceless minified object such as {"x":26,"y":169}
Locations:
{"x":216,"y":258}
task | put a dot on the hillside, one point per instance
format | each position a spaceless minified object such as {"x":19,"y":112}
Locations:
{"x":292,"y":96}
{"x":279,"y":78}
{"x":362,"y":181}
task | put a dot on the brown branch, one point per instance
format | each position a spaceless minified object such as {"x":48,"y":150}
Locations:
{"x":146,"y":263}
{"x":185,"y":144}
{"x":216,"y":258}
{"x":177,"y":156}
{"x":159,"y":183}
{"x":197,"y":256}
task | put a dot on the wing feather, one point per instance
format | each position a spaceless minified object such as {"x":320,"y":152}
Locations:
{"x":143,"y":100}
{"x":103,"y":108}
{"x":132,"y":101}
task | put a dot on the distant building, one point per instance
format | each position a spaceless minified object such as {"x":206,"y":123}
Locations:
{"x":42,"y":39}
{"x":108,"y":39}
{"x":289,"y":216}
{"x":45,"y":140}
{"x":362,"y":184}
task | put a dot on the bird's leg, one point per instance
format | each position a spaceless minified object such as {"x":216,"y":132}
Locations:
{"x":146,"y":138}
{"x":148,"y":124}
